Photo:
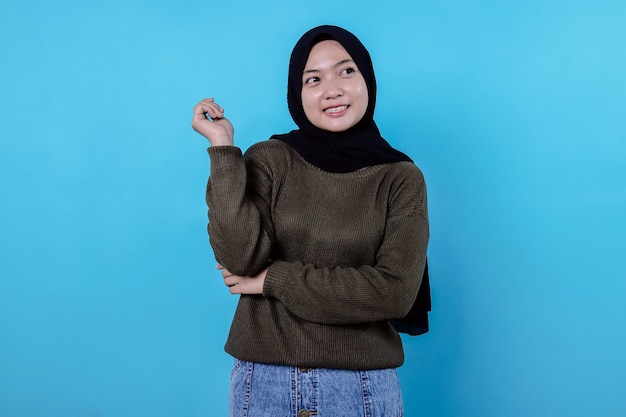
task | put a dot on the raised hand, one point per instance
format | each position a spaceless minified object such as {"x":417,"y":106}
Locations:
{"x":208,"y":120}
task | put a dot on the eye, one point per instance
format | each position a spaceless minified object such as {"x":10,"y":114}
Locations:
{"x":311,"y":80}
{"x":348,"y":71}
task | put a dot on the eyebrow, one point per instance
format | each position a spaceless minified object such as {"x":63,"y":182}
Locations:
{"x":338,"y":64}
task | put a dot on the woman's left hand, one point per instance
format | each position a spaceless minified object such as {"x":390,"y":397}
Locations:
{"x":243,"y":284}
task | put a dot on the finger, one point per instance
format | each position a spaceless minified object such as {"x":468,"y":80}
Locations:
{"x":210,"y":102}
{"x":231,"y":280}
{"x":235,"y":284}
{"x":210,"y":111}
{"x":214,"y":116}
{"x":210,"y":108}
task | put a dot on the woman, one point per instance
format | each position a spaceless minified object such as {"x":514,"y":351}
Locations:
{"x":323,"y":231}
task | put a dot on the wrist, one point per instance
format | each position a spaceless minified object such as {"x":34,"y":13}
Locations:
{"x":222,"y":141}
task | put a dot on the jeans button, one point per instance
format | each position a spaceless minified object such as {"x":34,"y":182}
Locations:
{"x":304,"y":413}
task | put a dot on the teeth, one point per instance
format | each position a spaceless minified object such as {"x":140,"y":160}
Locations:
{"x":336,"y":109}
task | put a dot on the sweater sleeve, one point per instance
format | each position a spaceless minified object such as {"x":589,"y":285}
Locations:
{"x":367,"y":293}
{"x":239,"y":229}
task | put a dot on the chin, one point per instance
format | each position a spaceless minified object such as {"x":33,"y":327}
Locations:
{"x":337,"y":128}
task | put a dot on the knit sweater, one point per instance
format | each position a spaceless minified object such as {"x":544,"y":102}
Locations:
{"x":346,"y":252}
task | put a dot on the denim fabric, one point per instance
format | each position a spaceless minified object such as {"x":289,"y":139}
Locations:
{"x":262,"y":390}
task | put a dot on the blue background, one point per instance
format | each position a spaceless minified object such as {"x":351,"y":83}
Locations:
{"x":515,"y":111}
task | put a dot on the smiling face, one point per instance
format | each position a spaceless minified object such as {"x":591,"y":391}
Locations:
{"x":334,"y":93}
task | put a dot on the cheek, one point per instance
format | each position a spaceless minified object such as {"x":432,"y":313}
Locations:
{"x":362,"y":98}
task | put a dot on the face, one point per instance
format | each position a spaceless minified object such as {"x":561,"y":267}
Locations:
{"x":334,"y":93}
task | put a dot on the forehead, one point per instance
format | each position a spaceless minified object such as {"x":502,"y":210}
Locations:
{"x":328,"y":50}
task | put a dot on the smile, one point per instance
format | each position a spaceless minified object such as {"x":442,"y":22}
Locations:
{"x":334,"y":110}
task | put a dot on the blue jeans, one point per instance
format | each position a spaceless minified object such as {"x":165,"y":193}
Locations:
{"x":262,"y":390}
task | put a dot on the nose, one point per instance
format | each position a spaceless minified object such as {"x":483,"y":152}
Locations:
{"x":333,"y":89}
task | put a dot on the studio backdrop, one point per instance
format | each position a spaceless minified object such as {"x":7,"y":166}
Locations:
{"x":110,"y":305}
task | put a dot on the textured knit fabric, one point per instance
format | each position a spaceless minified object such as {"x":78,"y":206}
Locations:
{"x":355,"y":148}
{"x":346,"y":254}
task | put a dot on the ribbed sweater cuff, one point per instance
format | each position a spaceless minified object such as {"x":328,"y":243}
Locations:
{"x":276,"y":280}
{"x":223,"y":155}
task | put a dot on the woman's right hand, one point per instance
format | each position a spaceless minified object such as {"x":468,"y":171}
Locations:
{"x":209,"y":121}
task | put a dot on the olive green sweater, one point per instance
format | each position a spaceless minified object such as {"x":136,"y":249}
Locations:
{"x":346,"y":254}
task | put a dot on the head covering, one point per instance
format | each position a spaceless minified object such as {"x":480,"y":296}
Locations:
{"x":358,"y":147}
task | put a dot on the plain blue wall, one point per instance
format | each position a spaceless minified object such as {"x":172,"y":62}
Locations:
{"x":515,"y":111}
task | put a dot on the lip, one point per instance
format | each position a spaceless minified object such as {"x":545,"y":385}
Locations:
{"x":336,"y":111}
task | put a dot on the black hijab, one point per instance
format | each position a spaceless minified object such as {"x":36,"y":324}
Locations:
{"x":358,"y":147}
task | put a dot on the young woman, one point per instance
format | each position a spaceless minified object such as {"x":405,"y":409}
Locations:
{"x":323,"y":232}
